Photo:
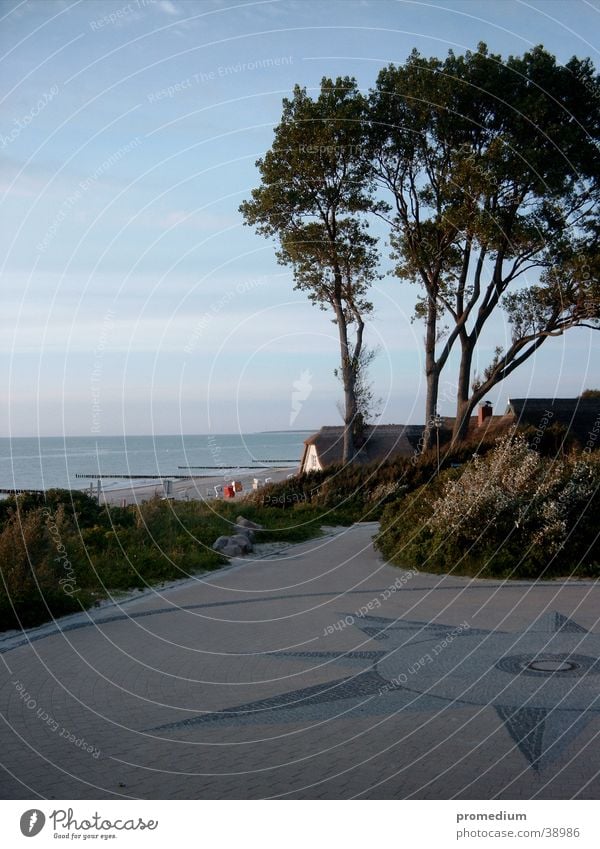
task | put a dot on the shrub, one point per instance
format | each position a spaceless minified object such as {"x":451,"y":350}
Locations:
{"x":555,"y":439}
{"x":64,"y":552}
{"x":37,"y":580}
{"x":360,"y":492}
{"x":512,"y":513}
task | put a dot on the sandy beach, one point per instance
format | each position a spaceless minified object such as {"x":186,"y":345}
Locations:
{"x":188,"y":489}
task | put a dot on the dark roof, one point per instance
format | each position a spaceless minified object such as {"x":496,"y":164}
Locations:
{"x":580,"y":416}
{"x":382,"y":442}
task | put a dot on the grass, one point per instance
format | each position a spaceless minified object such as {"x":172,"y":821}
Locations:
{"x":61,"y":552}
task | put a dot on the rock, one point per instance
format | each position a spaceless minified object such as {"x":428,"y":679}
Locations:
{"x":242,"y":529}
{"x":237,"y":544}
{"x":220,"y":543}
{"x":232,"y":550}
{"x":242,"y":541}
{"x":246,"y":523}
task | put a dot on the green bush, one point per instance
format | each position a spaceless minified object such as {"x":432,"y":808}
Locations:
{"x":62,"y":553}
{"x":512,"y":513}
{"x":360,"y":492}
{"x":37,"y":580}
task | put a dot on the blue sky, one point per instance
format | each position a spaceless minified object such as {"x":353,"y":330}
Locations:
{"x":133,"y":297}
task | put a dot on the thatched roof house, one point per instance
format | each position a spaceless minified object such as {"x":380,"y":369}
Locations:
{"x":579,"y":416}
{"x":383,"y":442}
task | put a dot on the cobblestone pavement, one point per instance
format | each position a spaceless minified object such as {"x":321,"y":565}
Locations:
{"x":320,"y":672}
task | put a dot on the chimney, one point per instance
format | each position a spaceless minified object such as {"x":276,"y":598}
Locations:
{"x":484,"y":412}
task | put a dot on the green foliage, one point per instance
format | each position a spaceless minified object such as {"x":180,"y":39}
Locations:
{"x":360,"y":492}
{"x":63,"y":553}
{"x":78,"y":505}
{"x":553,"y":440}
{"x":314,"y":193}
{"x":32,"y":568}
{"x":492,"y":168}
{"x":491,"y":201}
{"x":510,"y":514}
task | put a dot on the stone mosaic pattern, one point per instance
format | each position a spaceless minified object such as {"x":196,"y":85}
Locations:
{"x":238,"y":685}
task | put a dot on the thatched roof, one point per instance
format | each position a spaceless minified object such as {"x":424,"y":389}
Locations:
{"x":580,"y":416}
{"x":382,"y":443}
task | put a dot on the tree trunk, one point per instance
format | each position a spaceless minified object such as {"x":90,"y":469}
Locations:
{"x":431,"y":404}
{"x":349,"y":415}
{"x":464,"y":402}
{"x":349,"y":384}
{"x":463,"y":415}
{"x":432,"y":374}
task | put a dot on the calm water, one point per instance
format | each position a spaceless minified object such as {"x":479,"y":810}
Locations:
{"x":55,"y":461}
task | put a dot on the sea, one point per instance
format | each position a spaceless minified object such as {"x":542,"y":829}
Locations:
{"x":73,"y":462}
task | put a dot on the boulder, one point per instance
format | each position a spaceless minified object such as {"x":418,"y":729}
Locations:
{"x":242,"y":541}
{"x":242,"y":529}
{"x":246,"y":523}
{"x":232,"y":550}
{"x":237,"y":544}
{"x":220,"y":543}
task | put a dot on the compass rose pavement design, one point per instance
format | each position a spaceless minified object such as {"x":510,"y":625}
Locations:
{"x":542,"y":682}
{"x":316,"y":672}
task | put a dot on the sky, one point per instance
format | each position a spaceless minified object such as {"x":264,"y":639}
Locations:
{"x":134,"y":299}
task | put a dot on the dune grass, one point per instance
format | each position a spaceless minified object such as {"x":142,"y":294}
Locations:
{"x":60,"y":552}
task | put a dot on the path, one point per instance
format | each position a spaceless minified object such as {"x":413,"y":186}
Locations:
{"x":262,"y":681}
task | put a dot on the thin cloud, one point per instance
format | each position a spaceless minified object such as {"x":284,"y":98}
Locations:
{"x":168,"y":7}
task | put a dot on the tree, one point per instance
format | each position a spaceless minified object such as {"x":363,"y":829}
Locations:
{"x":493,"y":169}
{"x":313,"y":197}
{"x":367,"y":405}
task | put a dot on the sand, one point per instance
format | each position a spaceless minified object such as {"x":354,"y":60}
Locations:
{"x":196,"y":488}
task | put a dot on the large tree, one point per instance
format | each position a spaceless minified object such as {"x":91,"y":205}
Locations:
{"x":313,"y":197}
{"x":492,"y":167}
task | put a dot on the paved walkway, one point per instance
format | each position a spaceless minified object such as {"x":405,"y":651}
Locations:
{"x":317,"y":673}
